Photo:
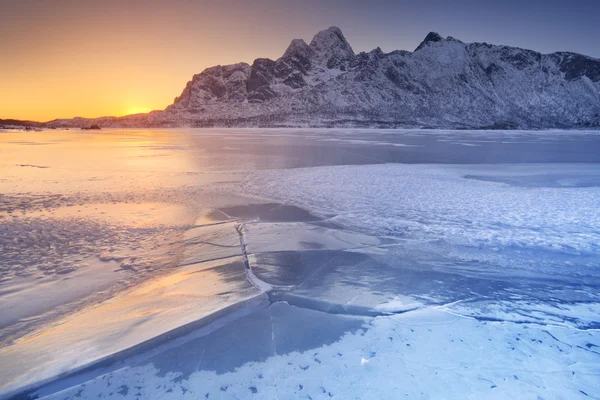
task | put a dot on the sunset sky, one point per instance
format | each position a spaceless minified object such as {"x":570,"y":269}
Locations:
{"x":66,"y":58}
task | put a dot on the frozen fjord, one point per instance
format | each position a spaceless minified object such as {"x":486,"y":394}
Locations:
{"x":415,"y":270}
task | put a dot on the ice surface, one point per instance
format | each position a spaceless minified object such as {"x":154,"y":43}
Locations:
{"x":271,"y":237}
{"x":212,"y":241}
{"x":108,"y":211}
{"x":278,"y":263}
{"x":126,"y":320}
{"x":423,"y":354}
{"x":26,"y":298}
{"x":548,"y":229}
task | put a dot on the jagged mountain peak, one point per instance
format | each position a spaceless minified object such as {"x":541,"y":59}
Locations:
{"x":331,"y":41}
{"x":377,"y":50}
{"x":333,"y":32}
{"x":431,"y":37}
{"x":297,"y":47}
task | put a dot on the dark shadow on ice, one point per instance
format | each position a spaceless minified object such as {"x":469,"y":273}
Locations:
{"x":295,"y":268}
{"x":249,"y":332}
{"x":276,"y":330}
{"x":272,"y":212}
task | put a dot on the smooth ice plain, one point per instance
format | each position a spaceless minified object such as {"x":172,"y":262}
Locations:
{"x":298,"y":263}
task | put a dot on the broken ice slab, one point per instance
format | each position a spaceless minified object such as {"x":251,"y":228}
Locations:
{"x":210,"y":242}
{"x":335,"y":281}
{"x":263,"y":332}
{"x":30,"y":297}
{"x":296,"y":236}
{"x":345,"y":282}
{"x":131,"y":318}
{"x":274,"y":329}
{"x":270,"y":212}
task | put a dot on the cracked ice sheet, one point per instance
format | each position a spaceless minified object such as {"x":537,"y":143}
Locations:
{"x":363,"y":284}
{"x":210,"y":242}
{"x":582,"y":315}
{"x":336,"y":281}
{"x":422,"y":354}
{"x":128,"y":319}
{"x":296,"y":236}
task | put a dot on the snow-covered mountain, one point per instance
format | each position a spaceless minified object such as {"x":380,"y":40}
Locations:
{"x":443,"y":83}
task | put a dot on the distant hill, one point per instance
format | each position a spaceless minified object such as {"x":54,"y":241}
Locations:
{"x":20,"y":123}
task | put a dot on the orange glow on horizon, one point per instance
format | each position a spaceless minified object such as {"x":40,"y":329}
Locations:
{"x":137,"y":110}
{"x":111,"y":58}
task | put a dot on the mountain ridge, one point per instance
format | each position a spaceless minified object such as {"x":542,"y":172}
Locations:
{"x":444,"y":83}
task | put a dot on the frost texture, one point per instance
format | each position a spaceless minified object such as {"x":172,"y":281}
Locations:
{"x":545,"y":227}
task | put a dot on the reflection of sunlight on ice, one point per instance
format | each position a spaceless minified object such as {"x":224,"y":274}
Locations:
{"x":99,"y":161}
{"x":130,"y":318}
{"x":128,"y":214}
{"x":453,"y":250}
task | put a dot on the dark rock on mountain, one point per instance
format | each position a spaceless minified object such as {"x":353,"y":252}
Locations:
{"x":576,"y":66}
{"x":431,"y":37}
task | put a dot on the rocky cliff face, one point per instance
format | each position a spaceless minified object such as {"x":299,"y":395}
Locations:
{"x":302,"y":66}
{"x":444,"y":83}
